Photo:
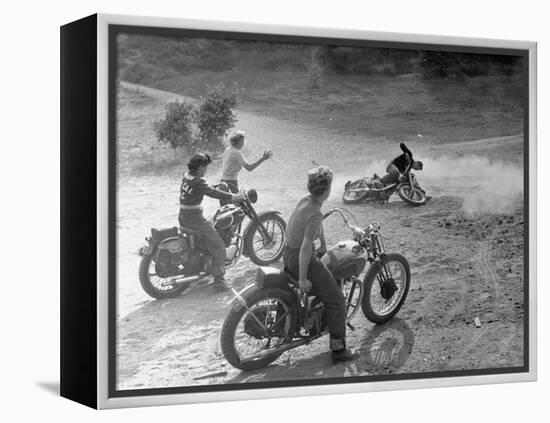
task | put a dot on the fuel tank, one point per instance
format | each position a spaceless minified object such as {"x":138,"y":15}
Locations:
{"x":227,"y":216}
{"x":345,"y":259}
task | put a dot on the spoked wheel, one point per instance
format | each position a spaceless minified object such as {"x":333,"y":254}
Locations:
{"x":412,"y":195}
{"x":386,"y":288}
{"x":353,"y":293}
{"x":252,"y":339}
{"x":156,"y":286}
{"x":266,"y":248}
{"x":351,"y":195}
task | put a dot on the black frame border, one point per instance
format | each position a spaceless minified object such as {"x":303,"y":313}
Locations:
{"x":115,"y":29}
{"x":78,"y":211}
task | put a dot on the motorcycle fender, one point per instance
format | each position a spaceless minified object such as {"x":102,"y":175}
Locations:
{"x":239,"y":294}
{"x":251,"y":224}
{"x":173,"y":245}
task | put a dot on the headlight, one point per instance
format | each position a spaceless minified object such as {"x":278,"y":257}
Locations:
{"x":252,"y":195}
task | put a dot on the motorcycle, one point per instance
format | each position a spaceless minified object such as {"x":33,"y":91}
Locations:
{"x":272,"y":315}
{"x":366,"y":189}
{"x":174,"y":258}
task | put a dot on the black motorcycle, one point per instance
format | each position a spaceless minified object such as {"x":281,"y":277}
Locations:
{"x":174,"y":258}
{"x":272,"y":315}
{"x":371,"y":189}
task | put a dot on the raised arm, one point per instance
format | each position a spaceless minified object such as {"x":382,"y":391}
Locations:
{"x":251,"y":166}
{"x":406,"y":150}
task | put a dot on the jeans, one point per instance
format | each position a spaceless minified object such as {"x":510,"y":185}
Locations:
{"x":193,"y":219}
{"x":324,"y":287}
{"x":233,"y":187}
{"x":391,"y":176}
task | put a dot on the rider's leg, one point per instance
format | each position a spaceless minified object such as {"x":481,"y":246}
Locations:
{"x":324,"y":286}
{"x":211,"y":240}
{"x":327,"y":290}
{"x":391,"y":176}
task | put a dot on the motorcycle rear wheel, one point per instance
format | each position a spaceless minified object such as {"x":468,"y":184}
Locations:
{"x":240,"y":330}
{"x":413,"y":196}
{"x":352,"y":197}
{"x":398,"y":267}
{"x":156,"y":290}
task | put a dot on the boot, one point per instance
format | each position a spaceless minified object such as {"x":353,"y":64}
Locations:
{"x":220,"y":284}
{"x":342,"y":355}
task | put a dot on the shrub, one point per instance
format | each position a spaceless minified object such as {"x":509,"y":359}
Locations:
{"x":214,"y":116}
{"x":460,"y":65}
{"x":176,"y":128}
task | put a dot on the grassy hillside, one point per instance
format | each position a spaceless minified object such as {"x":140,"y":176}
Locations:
{"x":378,"y":106}
{"x":372,"y":93}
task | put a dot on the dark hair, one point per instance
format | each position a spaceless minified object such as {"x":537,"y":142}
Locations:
{"x":319,"y":180}
{"x":197,"y":161}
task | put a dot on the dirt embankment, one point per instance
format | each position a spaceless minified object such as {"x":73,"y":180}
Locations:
{"x":466,"y":262}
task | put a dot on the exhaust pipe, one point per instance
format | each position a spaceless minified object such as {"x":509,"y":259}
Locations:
{"x":187,"y":279}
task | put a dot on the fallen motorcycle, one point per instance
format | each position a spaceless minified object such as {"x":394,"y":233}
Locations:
{"x":272,"y":315}
{"x":370,"y":189}
{"x":174,"y":258}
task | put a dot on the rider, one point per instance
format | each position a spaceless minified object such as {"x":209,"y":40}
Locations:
{"x":304,"y":227}
{"x":234,"y":161}
{"x":193,"y":189}
{"x":398,"y":166}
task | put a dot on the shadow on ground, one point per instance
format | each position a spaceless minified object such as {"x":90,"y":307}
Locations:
{"x":384,"y":349}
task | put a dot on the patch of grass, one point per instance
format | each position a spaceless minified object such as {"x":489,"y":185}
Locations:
{"x":444,"y":110}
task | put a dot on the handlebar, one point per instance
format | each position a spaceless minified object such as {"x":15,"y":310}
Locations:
{"x":357,"y":230}
{"x":354,"y":229}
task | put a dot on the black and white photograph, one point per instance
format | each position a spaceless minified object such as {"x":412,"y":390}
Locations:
{"x":301,"y":210}
{"x":249,"y":211}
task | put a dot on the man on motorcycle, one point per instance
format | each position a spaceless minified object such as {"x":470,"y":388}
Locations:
{"x":398,"y":166}
{"x":304,"y":227}
{"x":193,"y":189}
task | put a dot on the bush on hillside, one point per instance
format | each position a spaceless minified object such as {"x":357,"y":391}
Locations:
{"x":437,"y":64}
{"x":176,"y":128}
{"x":215,"y":116}
{"x":199,"y":127}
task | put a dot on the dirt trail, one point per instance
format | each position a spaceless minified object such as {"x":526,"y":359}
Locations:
{"x":462,"y":267}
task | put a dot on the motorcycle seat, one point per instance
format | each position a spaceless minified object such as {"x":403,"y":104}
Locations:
{"x":271,"y":276}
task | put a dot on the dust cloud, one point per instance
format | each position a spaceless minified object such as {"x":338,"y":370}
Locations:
{"x":485,"y":186}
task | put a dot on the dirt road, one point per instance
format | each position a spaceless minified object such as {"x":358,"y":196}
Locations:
{"x":464,"y":247}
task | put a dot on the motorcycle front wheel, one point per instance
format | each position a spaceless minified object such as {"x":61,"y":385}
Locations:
{"x":251,"y":336}
{"x":351,"y":196}
{"x":386,"y":288}
{"x":413,"y":196}
{"x":154,"y":285}
{"x":264,"y":251}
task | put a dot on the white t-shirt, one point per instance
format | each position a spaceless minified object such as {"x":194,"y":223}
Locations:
{"x":233,"y":162}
